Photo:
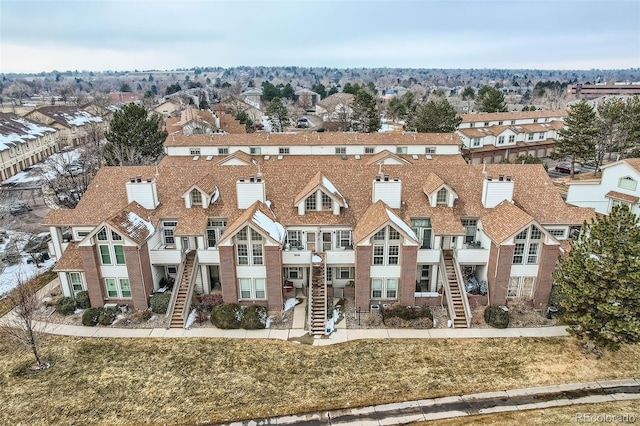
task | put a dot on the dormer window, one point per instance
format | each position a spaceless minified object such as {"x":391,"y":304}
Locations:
{"x":628,"y":183}
{"x":327,"y":202}
{"x":441,"y":196}
{"x":196,"y":198}
{"x":194,"y":151}
{"x":310,"y":203}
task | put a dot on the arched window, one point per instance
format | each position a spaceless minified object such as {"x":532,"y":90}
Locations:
{"x":627,"y":182}
{"x":196,"y":197}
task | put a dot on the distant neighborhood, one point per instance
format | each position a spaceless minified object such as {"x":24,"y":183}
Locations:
{"x":281,"y":183}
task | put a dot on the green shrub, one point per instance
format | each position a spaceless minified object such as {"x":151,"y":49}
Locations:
{"x":66,"y":305}
{"x":227,"y":315}
{"x":254,"y":317}
{"x":107,"y":316}
{"x":496,"y":317}
{"x":160,"y":302}
{"x":82,"y":300}
{"x":90,"y":316}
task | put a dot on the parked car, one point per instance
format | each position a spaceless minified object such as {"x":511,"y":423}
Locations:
{"x":303,"y":123}
{"x":565,"y":167}
{"x":19,"y":209}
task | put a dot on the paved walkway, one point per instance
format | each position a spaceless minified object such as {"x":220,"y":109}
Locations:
{"x":467,"y":405}
{"x":340,"y":335}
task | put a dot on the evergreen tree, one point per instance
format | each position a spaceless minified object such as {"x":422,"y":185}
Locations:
{"x":278,"y":115}
{"x":366,"y":117}
{"x":320,"y":90}
{"x":269,"y":91}
{"x":468,"y":93}
{"x":630,"y":128}
{"x":287,"y":91}
{"x":577,"y":140}
{"x":599,"y":280}
{"x":134,"y":138}
{"x":435,"y":116}
{"x":490,"y":99}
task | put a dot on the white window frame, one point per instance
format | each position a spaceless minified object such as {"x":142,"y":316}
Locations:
{"x":470,"y":229}
{"x":215,"y":229}
{"x":252,"y":288}
{"x":430,"y":150}
{"x":196,"y":197}
{"x":194,"y":151}
{"x":529,"y":136}
{"x":475,"y":141}
{"x":512,"y":138}
{"x":385,"y":249}
{"x":168,"y":228}
{"x":344,"y":238}
{"x":73,"y":282}
{"x":401,"y":150}
{"x":528,"y":245}
{"x":294,"y":239}
{"x":110,"y":252}
{"x":419,"y":225}
{"x":119,"y":286}
{"x":387,"y":287}
{"x":500,"y":140}
{"x":223,"y":150}
{"x":540,"y":135}
{"x":441,"y":196}
{"x":293,"y":273}
{"x":249,"y":247}
{"x":521,"y":287}
{"x":344,"y":272}
{"x":341,"y":150}
{"x":628,"y":183}
{"x":369,"y":150}
{"x":255,"y":150}
{"x":284,"y":150}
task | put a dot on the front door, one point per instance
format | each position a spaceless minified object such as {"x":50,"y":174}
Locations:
{"x":448,"y":242}
{"x":326,"y":241}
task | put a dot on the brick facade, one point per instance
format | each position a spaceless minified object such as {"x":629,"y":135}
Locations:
{"x":498,"y":272}
{"x":273,"y":262}
{"x":362,"y":281}
{"x":408,"y":271}
{"x":228,"y":278}
{"x":91,"y":266}
{"x":139,"y":294}
{"x":544,"y":281}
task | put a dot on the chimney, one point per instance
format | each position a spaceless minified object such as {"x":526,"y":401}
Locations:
{"x":496,"y":191}
{"x":389,"y":191}
{"x":144,"y":193}
{"x":248,"y":191}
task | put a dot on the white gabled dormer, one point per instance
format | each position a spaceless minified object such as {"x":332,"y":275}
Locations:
{"x":438,"y":192}
{"x":144,"y":192}
{"x":494,"y":191}
{"x":202,"y":194}
{"x":388,"y":190}
{"x":250,"y":190}
{"x":320,"y":195}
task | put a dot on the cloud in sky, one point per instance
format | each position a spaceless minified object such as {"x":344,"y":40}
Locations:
{"x":156,"y":34}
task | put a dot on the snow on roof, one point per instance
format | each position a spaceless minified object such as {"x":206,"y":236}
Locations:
{"x":331,"y":188}
{"x":275,"y":229}
{"x":396,"y":220}
{"x":136,"y":221}
{"x":80,"y":118}
{"x":15,"y":129}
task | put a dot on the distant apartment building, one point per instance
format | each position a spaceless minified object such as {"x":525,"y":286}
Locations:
{"x":75,"y":125}
{"x":602,"y":89}
{"x":23,"y":143}
{"x":494,"y":137}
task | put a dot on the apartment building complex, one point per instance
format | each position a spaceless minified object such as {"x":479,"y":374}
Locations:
{"x":494,"y":137}
{"x":382,"y":218}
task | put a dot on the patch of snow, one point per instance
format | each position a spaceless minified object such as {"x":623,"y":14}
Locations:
{"x":161,"y":290}
{"x":290,"y":303}
{"x":594,"y":257}
{"x":316,"y":259}
{"x":267,"y":323}
{"x":136,"y":221}
{"x":406,"y":228}
{"x":331,"y":321}
{"x":216,"y":195}
{"x":23,"y":271}
{"x":191,"y":319}
{"x":274,"y":229}
{"x":331,"y":188}
{"x":78,"y":311}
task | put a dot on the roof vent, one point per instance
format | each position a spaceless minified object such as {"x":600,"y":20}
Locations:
{"x":209,"y":157}
{"x":266,"y":157}
{"x":196,"y":157}
{"x":149,"y":179}
{"x":252,"y":178}
{"x":344,"y":157}
{"x":357,"y":156}
{"x":378,"y":178}
{"x":428,"y":157}
{"x":508,"y":178}
{"x":396,"y":179}
{"x":414,"y":156}
{"x":132,"y":179}
{"x":500,"y":178}
{"x":138,"y":178}
{"x":386,"y":178}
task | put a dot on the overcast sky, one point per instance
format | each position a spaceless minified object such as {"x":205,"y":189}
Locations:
{"x":150,"y":34}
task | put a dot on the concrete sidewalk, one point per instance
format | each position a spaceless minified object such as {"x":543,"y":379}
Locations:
{"x":466,"y":405}
{"x":340,"y":335}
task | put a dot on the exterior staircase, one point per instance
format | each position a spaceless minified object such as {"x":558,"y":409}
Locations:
{"x":457,"y":307}
{"x":318,"y":297}
{"x":181,"y":303}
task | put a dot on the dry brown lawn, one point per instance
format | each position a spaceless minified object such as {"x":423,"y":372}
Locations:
{"x":559,"y":416}
{"x":34,"y":284}
{"x":188,"y":381}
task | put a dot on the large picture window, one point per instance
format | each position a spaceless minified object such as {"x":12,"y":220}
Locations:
{"x":384,"y":288}
{"x":252,"y":288}
{"x":527,"y":246}
{"x":521,"y":287}
{"x":386,"y":246}
{"x":249,"y":248}
{"x":110,"y":252}
{"x":118,"y":288}
{"x":75,"y":281}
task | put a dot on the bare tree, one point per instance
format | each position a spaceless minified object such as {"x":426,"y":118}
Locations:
{"x":304,"y":101}
{"x":17,"y":91}
{"x":21,"y":324}
{"x":67,"y":175}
